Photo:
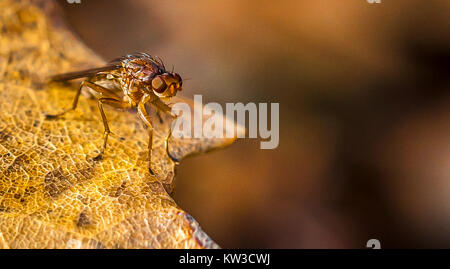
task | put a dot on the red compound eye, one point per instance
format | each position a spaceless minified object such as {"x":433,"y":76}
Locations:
{"x":158,"y":84}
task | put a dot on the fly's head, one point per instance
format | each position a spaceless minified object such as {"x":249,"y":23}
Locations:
{"x":152,"y":75}
{"x":167,"y":85}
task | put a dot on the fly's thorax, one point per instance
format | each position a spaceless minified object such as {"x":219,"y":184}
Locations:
{"x":141,"y":70}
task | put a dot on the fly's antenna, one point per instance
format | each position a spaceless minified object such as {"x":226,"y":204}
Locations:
{"x":172,"y":68}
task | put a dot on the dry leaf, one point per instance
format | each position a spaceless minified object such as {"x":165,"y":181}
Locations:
{"x":52,"y":194}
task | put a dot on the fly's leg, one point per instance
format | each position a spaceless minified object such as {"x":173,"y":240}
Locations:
{"x":166,"y":146}
{"x":106,"y":132}
{"x":165,"y":108}
{"x":146,"y":119}
{"x":150,"y":146}
{"x":74,"y":104}
{"x":161,"y":106}
{"x":114,"y":103}
{"x":104,"y":91}
{"x":110,"y":98}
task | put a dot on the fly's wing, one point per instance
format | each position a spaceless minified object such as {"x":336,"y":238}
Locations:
{"x":112,"y":65}
{"x":85,"y":73}
{"x":154,"y":60}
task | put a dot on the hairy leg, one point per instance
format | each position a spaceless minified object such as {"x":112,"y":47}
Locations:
{"x":114,"y":103}
{"x":74,"y":104}
{"x":107,"y":93}
{"x":143,"y":114}
{"x":161,"y":106}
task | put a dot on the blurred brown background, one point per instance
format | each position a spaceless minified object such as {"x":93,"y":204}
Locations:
{"x":364,"y":114}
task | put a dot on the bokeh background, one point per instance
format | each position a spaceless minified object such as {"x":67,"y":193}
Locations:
{"x":364,"y":113}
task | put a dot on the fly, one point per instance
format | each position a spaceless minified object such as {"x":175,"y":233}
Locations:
{"x":134,"y":80}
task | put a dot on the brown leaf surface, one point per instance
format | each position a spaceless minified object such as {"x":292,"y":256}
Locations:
{"x":52,"y":194}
